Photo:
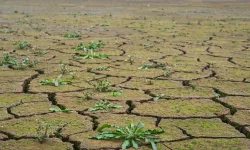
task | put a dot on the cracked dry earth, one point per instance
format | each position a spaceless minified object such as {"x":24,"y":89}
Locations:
{"x":205,"y":46}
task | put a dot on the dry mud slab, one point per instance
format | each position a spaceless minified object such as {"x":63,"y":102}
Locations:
{"x":183,"y":66}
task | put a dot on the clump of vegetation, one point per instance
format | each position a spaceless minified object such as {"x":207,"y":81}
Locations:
{"x":170,"y":28}
{"x":102,"y":85}
{"x":130,"y":134}
{"x":149,"y":82}
{"x":71,"y":35}
{"x":26,"y":63}
{"x":102,"y":68}
{"x":116,"y":93}
{"x":146,"y":45}
{"x":54,"y":82}
{"x":73,"y":75}
{"x":166,"y":71}
{"x":148,"y":66}
{"x":7,"y":60}
{"x":22,"y":21}
{"x":90,"y":46}
{"x":60,"y":109}
{"x":130,"y":59}
{"x":91,"y":55}
{"x":42,"y":131}
{"x":104,"y":105}
{"x":7,"y":31}
{"x":159,"y":96}
{"x":22,"y":45}
{"x":104,"y":25}
{"x":87,"y":96}
{"x":64,"y":69}
{"x":39,"y":52}
{"x":145,"y":66}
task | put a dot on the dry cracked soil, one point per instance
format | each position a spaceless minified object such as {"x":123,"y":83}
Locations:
{"x":182,"y":66}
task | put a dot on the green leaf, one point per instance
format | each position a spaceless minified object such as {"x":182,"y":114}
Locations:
{"x":153,"y":145}
{"x":125,"y":144}
{"x":156,"y":98}
{"x":104,"y":126}
{"x":116,"y":93}
{"x":54,"y":109}
{"x":135,"y":145}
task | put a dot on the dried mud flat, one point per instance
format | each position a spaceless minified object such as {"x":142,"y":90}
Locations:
{"x":206,"y":86}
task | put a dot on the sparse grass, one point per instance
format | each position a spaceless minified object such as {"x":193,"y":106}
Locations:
{"x":130,"y":59}
{"x":102,"y":85}
{"x":39,"y":52}
{"x":71,"y":35}
{"x":7,"y":31}
{"x":101,"y":68}
{"x":22,"y":45}
{"x":64,"y":69}
{"x":54,"y":82}
{"x":87,"y":96}
{"x":104,"y":105}
{"x":130,"y":134}
{"x":42,"y":131}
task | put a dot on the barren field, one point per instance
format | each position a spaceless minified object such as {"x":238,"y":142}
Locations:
{"x":69,"y":67}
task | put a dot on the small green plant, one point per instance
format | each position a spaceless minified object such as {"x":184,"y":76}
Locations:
{"x":116,"y":93}
{"x":90,"y":46}
{"x":130,"y":134}
{"x":42,"y":131}
{"x":39,"y":52}
{"x":102,"y":85}
{"x":54,"y":82}
{"x":145,"y":66}
{"x":22,"y":45}
{"x":7,"y":60}
{"x":102,"y":68}
{"x":104,"y":105}
{"x":130,"y":59}
{"x":146,"y":45}
{"x":170,"y":28}
{"x":217,"y":95}
{"x":7,"y":31}
{"x":26,"y":63}
{"x":159,"y":96}
{"x":73,"y":75}
{"x":22,"y":21}
{"x":166,"y":71}
{"x":37,"y":28}
{"x":92,"y":55}
{"x":87,"y":96}
{"x":64,"y":69}
{"x":60,"y":109}
{"x":104,"y":25}
{"x":149,"y":82}
{"x":16,"y":12}
{"x":71,"y":35}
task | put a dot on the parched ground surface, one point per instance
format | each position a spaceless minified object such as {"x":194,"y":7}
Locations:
{"x":205,"y":47}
